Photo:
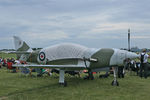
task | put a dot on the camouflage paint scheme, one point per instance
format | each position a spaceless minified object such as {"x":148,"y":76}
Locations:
{"x":70,"y":57}
{"x":105,"y":57}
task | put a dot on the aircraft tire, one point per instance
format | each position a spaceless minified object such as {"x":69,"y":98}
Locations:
{"x":63,"y":84}
{"x":86,"y":77}
{"x":115,"y":83}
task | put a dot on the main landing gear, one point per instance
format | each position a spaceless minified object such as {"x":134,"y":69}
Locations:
{"x":89,"y":77}
{"x":62,"y":78}
{"x":63,"y":84}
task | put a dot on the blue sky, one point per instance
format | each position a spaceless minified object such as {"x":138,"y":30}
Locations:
{"x":92,"y":23}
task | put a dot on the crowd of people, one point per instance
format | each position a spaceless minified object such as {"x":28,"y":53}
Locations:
{"x":141,"y":66}
{"x":7,"y":63}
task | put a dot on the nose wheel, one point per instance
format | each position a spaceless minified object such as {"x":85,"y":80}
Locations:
{"x":115,"y":82}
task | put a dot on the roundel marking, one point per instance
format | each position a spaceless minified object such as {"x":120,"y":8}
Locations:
{"x":42,"y":56}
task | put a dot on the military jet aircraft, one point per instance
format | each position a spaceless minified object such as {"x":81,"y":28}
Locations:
{"x":68,"y":56}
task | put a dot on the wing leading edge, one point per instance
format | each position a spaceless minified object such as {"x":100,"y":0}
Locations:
{"x":49,"y":66}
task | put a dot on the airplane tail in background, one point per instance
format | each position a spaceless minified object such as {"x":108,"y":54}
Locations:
{"x":21,"y":45}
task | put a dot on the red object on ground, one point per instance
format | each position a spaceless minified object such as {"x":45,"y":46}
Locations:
{"x":9,"y":64}
{"x":94,"y":72}
{"x":4,"y":61}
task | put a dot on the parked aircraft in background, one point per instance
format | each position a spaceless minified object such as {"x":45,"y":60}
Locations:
{"x":68,"y":56}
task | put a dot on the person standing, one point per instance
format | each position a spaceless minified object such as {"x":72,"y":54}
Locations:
{"x":0,"y":62}
{"x":144,"y":63}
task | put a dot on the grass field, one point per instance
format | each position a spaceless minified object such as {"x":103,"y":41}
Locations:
{"x":5,"y":55}
{"x":15,"y":86}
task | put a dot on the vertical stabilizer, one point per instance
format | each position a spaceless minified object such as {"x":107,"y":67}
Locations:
{"x":20,"y":45}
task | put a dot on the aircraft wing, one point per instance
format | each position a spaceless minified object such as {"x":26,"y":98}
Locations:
{"x":49,"y":66}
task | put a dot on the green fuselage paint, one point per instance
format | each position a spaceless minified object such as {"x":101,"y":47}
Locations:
{"x":103,"y":56}
{"x":33,"y":57}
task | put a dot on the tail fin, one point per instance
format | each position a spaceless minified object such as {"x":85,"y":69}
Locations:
{"x":20,"y":45}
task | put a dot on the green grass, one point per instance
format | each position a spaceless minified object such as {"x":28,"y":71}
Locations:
{"x":5,"y":55}
{"x":15,"y":86}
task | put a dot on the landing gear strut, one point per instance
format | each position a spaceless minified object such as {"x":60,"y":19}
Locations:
{"x":115,"y":82}
{"x":61,"y":78}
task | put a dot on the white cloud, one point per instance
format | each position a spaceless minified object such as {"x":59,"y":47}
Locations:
{"x":55,"y":35}
{"x":5,"y":39}
{"x":141,"y":37}
{"x":103,"y":27}
{"x":116,"y":30}
{"x":74,"y":20}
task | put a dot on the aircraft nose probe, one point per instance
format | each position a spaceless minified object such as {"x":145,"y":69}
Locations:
{"x":131,"y":55}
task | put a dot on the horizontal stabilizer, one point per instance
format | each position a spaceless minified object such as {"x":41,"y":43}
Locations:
{"x":17,"y":52}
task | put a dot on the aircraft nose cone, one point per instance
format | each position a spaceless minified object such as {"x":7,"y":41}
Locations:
{"x":131,"y":55}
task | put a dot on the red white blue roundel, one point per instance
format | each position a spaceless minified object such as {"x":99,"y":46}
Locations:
{"x":42,"y":56}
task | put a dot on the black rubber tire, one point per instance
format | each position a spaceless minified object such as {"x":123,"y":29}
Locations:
{"x":115,"y":83}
